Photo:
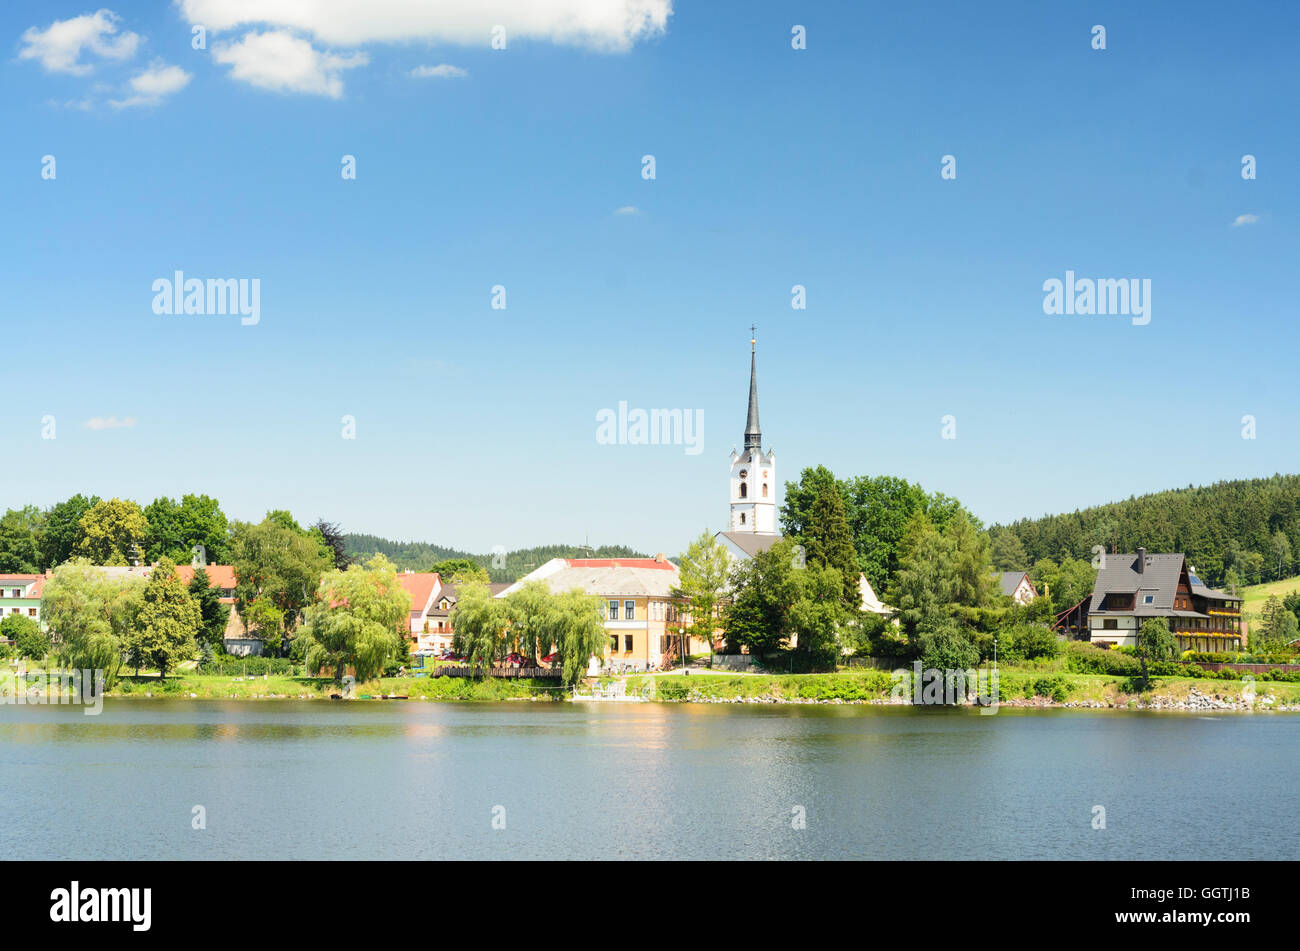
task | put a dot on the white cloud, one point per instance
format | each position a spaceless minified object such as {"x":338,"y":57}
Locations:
{"x":283,"y":62}
{"x":59,"y":46}
{"x":110,"y":422}
{"x":611,"y":25}
{"x":1245,"y":220}
{"x":442,"y":71}
{"x":154,"y":84}
{"x":627,"y":210}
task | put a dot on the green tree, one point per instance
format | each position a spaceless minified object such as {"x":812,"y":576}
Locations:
{"x":1154,"y":643}
{"x":1067,"y":583}
{"x":944,"y":644}
{"x":29,"y":640}
{"x":1008,"y":551}
{"x":167,"y":623}
{"x":479,"y":625}
{"x":780,"y":599}
{"x":702,"y":589}
{"x":20,"y":540}
{"x":817,"y":619}
{"x":576,"y":631}
{"x":532,"y":620}
{"x":764,"y":588}
{"x":357,"y":620}
{"x":971,"y":561}
{"x":827,"y":541}
{"x":276,"y":561}
{"x":460,"y":571}
{"x":90,"y":616}
{"x":176,"y":528}
{"x":927,"y":582}
{"x":1276,"y":627}
{"x":1281,"y":546}
{"x":113,"y":533}
{"x":62,"y":524}
{"x":213,"y":615}
{"x":262,"y":619}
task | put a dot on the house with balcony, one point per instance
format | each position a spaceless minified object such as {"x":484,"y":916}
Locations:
{"x":1134,"y":587}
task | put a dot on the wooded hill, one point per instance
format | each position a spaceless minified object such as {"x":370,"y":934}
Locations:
{"x":421,"y":556}
{"x":1250,"y":527}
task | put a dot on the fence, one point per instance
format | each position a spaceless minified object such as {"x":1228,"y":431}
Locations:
{"x":1252,"y":668}
{"x":733,"y":662}
{"x":509,"y":673}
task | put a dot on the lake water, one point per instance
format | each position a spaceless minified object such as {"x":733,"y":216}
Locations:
{"x":291,"y":779}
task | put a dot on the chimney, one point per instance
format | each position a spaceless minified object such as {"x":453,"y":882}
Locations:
{"x":660,"y":558}
{"x":1142,"y":561}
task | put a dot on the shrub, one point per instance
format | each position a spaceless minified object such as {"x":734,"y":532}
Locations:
{"x":29,"y":640}
{"x":1084,"y":658}
{"x":1053,"y":687}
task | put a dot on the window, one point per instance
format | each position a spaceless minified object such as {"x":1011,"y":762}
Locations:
{"x":744,"y":490}
{"x":613,"y":643}
{"x":17,"y":592}
{"x":613,"y":610}
{"x":629,"y":610}
{"x":742,"y":518}
{"x":1110,"y":624}
{"x":627,"y":642}
{"x":31,"y":612}
{"x":764,"y":490}
{"x":1148,"y":599}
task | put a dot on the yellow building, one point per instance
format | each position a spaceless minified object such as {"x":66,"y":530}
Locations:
{"x":636,"y":603}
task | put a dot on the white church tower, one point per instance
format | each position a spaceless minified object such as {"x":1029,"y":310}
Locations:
{"x":753,"y":472}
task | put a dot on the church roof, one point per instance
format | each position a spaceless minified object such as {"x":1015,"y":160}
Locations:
{"x":752,"y":543}
{"x":753,"y":434}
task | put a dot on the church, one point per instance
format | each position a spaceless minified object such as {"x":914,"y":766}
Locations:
{"x":751,"y":526}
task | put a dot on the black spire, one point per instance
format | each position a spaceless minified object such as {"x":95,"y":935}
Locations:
{"x":753,"y":436}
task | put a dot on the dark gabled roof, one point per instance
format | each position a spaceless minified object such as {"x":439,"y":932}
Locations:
{"x":1205,"y":591}
{"x":1119,"y":575}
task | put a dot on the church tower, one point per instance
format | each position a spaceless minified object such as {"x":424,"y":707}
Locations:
{"x":753,"y":472}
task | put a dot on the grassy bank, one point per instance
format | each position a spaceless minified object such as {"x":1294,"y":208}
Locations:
{"x":1031,"y":684}
{"x":1037,"y":683}
{"x":272,"y":687}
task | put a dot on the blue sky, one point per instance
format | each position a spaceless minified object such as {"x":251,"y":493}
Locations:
{"x":774,"y":167}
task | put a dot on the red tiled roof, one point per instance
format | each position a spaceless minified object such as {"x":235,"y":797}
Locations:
{"x":666,"y":565}
{"x":219,"y":576}
{"x":36,"y":589}
{"x":420,"y":585}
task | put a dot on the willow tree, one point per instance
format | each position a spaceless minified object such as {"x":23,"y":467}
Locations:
{"x":533,"y":621}
{"x":90,"y":616}
{"x":576,"y":631}
{"x":357,"y":620}
{"x":479,"y":625}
